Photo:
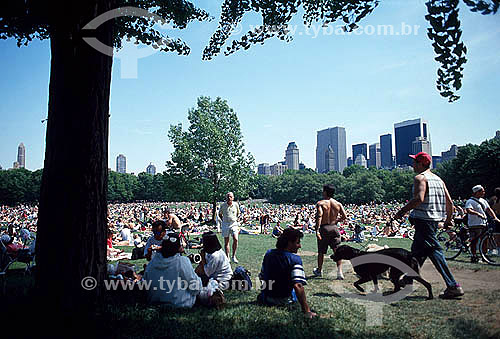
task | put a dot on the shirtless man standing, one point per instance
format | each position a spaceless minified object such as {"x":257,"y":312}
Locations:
{"x":328,"y":213}
{"x":172,"y":220}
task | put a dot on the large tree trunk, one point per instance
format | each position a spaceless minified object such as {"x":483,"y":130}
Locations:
{"x":72,"y":224}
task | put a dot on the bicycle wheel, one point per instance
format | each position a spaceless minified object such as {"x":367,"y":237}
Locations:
{"x":451,"y":247}
{"x":488,"y":247}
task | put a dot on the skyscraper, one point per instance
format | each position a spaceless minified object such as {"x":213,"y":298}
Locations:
{"x":335,"y":138}
{"x":21,"y":156}
{"x":359,"y":149}
{"x":405,"y":133}
{"x":151,"y":169}
{"x":292,"y":156}
{"x":121,"y":164}
{"x":386,"y":151}
{"x":375,"y":158}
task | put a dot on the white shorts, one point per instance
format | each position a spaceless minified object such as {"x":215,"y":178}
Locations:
{"x":230,"y":229}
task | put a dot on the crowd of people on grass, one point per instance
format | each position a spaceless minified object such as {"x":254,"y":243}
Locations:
{"x":160,"y":229}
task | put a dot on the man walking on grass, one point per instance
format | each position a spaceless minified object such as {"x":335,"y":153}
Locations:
{"x":229,"y":212}
{"x":329,"y":212}
{"x":430,"y":205}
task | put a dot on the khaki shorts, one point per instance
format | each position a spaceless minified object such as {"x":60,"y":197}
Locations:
{"x":230,"y":229}
{"x":330,"y":236}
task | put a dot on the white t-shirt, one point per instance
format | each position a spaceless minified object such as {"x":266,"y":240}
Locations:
{"x":218,"y":266}
{"x":474,"y":220}
{"x":125,"y":234}
{"x":151,"y":241}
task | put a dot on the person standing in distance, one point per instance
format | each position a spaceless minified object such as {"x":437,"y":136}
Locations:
{"x":430,"y":205}
{"x":229,"y":212}
{"x":478,"y":210}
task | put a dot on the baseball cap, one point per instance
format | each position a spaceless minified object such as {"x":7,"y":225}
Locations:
{"x":422,"y":158}
{"x":477,"y":188}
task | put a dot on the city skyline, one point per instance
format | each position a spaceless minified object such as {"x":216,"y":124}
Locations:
{"x":282,"y":92}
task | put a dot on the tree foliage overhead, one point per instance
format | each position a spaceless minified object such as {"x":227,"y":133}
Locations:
{"x":32,"y":19}
{"x":442,"y":16}
{"x":209,"y":158}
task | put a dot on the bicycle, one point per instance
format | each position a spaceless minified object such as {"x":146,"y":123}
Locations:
{"x":457,"y":240}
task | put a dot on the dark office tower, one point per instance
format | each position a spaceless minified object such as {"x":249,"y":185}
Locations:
{"x":405,"y":133}
{"x":121,"y":164}
{"x":336,"y":139}
{"x":21,"y":156}
{"x":386,"y":151}
{"x":264,"y":169}
{"x":292,"y":156}
{"x":301,"y":166}
{"x":374,"y":160}
{"x":359,"y":149}
{"x":151,"y":169}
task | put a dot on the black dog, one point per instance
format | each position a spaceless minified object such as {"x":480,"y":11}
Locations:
{"x":370,"y":271}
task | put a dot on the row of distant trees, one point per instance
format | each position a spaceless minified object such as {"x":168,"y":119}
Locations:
{"x":474,"y":164}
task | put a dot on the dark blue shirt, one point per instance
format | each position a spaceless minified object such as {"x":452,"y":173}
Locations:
{"x":280,"y":271}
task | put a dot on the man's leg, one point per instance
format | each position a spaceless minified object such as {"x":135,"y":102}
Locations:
{"x":439,"y":262}
{"x":226,"y":246}
{"x":321,"y":256}
{"x":235,"y":244}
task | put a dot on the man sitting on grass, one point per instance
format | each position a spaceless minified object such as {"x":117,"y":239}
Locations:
{"x":154,"y":242}
{"x":282,"y":274}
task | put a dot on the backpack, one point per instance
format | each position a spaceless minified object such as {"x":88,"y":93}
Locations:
{"x":137,"y":253}
{"x":241,"y":280}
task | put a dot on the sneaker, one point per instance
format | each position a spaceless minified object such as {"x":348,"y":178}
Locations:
{"x":317,"y":272}
{"x":235,"y":260}
{"x":340,"y":276}
{"x":474,"y":259}
{"x":452,"y":292}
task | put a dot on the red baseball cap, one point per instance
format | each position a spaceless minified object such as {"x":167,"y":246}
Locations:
{"x":422,"y":158}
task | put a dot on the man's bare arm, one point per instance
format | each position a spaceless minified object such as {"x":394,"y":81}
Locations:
{"x":343,"y":214}
{"x":319,"y":215}
{"x":301,"y":296}
{"x":420,"y":185}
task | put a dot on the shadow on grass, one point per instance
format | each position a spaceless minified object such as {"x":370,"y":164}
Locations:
{"x":321,"y":294}
{"x":466,"y":328}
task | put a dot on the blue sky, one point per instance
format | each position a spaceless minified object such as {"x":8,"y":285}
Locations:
{"x":281,"y":92}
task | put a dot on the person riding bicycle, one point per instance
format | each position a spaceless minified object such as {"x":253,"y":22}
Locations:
{"x":477,"y":209}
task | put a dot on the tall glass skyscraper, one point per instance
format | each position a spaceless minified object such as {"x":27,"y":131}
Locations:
{"x":121,"y":164}
{"x":406,"y":133}
{"x":335,"y":138}
{"x":374,"y":151}
{"x":21,"y":155}
{"x":151,"y":169}
{"x":386,"y":151}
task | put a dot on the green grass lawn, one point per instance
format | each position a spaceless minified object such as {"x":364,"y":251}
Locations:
{"x":474,"y":316}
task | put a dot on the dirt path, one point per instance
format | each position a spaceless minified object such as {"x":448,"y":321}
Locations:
{"x":469,"y":279}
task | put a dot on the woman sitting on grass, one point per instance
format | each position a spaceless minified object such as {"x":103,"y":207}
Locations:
{"x":173,"y":280}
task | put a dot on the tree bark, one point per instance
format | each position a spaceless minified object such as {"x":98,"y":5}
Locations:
{"x":72,"y":219}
